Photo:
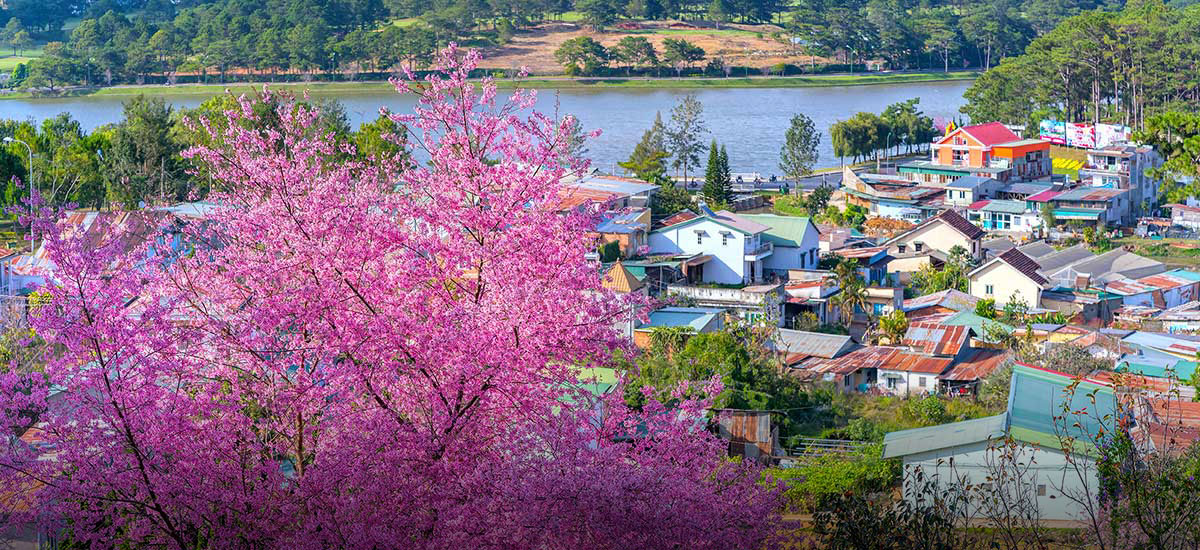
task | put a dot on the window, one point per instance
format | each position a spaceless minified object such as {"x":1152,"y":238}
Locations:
{"x":962,"y":194}
{"x":918,"y":246}
{"x":921,"y":382}
{"x":1041,"y":490}
{"x":988,"y":289}
{"x":846,"y":380}
{"x":812,"y":256}
{"x":724,"y":239}
{"x":900,"y":248}
{"x":699,"y":238}
{"x":891,"y":383}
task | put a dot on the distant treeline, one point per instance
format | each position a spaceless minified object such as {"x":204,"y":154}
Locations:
{"x":124,"y":41}
{"x":1119,"y":67}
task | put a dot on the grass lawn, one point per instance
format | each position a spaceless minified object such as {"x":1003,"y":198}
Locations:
{"x":1161,"y":250}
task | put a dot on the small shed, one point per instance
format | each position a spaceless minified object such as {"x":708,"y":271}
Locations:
{"x":750,"y":433}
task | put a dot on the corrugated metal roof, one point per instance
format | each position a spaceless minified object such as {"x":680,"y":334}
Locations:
{"x":1038,"y":398}
{"x":783,"y":230}
{"x":951,"y":298}
{"x":911,"y":362}
{"x":813,"y":344}
{"x":978,"y":366}
{"x":936,"y":339}
{"x":862,"y":358}
{"x":945,"y":436}
{"x":1091,"y":194}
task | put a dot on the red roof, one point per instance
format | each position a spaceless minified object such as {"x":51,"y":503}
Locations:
{"x":862,"y":358}
{"x":912,"y":362}
{"x":936,"y":339}
{"x":678,"y":217}
{"x":1044,"y":196}
{"x":992,"y":133}
{"x":979,"y":204}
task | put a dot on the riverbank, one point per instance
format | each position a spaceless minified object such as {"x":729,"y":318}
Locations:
{"x":373,"y":87}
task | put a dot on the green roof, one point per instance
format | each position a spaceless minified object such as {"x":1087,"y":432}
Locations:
{"x":920,"y":440}
{"x":968,"y":318}
{"x":1182,"y":370}
{"x":784,"y":230}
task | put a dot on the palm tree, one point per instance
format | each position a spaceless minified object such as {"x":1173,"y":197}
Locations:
{"x":852,"y":297}
{"x":670,"y":339}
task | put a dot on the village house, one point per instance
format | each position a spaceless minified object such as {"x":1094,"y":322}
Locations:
{"x":1010,"y":276}
{"x":906,"y":373}
{"x":832,"y":237}
{"x":731,"y":247}
{"x":1093,"y":205}
{"x":796,"y":241}
{"x":962,"y":452}
{"x":629,"y":228}
{"x":889,"y":196}
{"x":871,"y":262}
{"x":1097,"y":270}
{"x":616,"y":192}
{"x":1185,"y":215}
{"x":853,"y":372}
{"x":1124,"y":166}
{"x":947,"y":301}
{"x":970,"y":189}
{"x":753,"y":303}
{"x":1004,"y":215}
{"x":811,"y":292}
{"x":1161,"y":291}
{"x":985,"y":150}
{"x":932,"y":241}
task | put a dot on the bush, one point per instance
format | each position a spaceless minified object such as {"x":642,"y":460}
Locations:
{"x":926,"y":411}
{"x":610,"y":251}
{"x":824,"y":477}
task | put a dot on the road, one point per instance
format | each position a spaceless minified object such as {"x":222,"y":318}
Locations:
{"x":831,"y":179}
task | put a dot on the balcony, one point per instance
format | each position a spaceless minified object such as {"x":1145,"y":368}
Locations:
{"x":763,"y":250}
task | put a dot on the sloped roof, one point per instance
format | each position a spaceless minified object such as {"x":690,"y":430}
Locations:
{"x":1020,"y":262}
{"x":969,"y":182}
{"x":695,"y":317}
{"x":783,"y":230}
{"x":1115,"y":262}
{"x":949,"y":217}
{"x":1061,"y":258}
{"x":991,"y":133}
{"x":1091,"y":194}
{"x":861,"y":358}
{"x":678,"y":217}
{"x":903,"y":361}
{"x":950,"y":298}
{"x":945,"y":436}
{"x":936,"y":339}
{"x":1044,"y":196}
{"x":726,"y":219}
{"x":619,"y":279}
{"x":979,"y":365}
{"x":1036,"y":249}
{"x":813,"y":344}
{"x":1037,"y":398}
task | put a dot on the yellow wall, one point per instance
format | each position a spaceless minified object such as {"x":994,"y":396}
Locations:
{"x":1005,"y":281}
{"x":937,"y":236}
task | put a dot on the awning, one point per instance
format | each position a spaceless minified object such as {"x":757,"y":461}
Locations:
{"x":1076,"y":214}
{"x":698,"y":260}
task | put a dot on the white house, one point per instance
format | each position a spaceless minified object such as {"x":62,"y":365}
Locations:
{"x":1012,"y":274}
{"x":732,"y":247}
{"x":797,"y":242}
{"x":934,"y":237}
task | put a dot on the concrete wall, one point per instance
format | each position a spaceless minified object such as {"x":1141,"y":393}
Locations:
{"x":1048,"y":480}
{"x":908,"y":384}
{"x":1005,"y":280}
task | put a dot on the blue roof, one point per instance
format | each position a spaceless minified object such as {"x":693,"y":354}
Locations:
{"x":968,"y":182}
{"x":1042,"y":401}
{"x":1185,"y":273}
{"x":695,"y":317}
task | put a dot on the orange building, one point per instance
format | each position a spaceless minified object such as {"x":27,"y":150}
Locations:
{"x":988,"y":150}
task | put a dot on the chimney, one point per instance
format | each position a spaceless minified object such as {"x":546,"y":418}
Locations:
{"x":704,"y":210}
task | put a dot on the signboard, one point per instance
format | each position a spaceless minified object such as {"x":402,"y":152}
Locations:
{"x":1081,"y":135}
{"x":1053,"y":131}
{"x":1110,"y":134}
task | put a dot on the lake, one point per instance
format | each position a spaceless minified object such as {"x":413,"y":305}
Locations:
{"x":750,"y":121}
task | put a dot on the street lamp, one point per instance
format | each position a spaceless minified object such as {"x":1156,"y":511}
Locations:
{"x":886,"y":147}
{"x":31,"y":236}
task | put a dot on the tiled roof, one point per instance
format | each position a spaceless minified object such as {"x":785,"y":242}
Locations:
{"x":955,"y":220}
{"x":978,"y":366}
{"x":619,"y":279}
{"x":991,"y":133}
{"x":1022,"y":263}
{"x":936,"y":339}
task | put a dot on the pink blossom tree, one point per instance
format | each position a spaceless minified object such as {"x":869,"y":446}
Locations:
{"x":349,"y":354}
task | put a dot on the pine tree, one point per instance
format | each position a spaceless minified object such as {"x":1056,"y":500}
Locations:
{"x":726,"y":177}
{"x":648,"y":159}
{"x":716,"y":188}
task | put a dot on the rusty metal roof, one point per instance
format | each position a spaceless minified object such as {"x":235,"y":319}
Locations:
{"x":862,"y":358}
{"x":979,"y":365}
{"x":949,"y":298}
{"x":936,"y":339}
{"x":911,"y":362}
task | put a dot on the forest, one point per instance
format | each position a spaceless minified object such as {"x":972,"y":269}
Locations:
{"x":107,"y":42}
{"x":1121,"y":67}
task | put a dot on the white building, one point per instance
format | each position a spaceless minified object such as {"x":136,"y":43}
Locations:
{"x":732,"y":247}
